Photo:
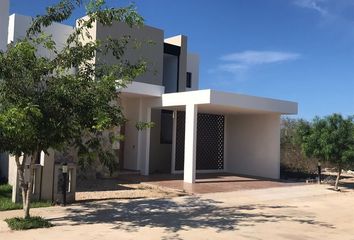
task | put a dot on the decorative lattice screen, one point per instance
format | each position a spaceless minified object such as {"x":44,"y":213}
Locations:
{"x":179,"y":162}
{"x":210,"y":141}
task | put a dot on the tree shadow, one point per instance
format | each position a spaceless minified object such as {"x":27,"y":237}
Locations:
{"x":188,"y":213}
{"x":102,"y":185}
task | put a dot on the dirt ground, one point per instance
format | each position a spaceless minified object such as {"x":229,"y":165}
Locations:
{"x":132,"y":186}
{"x":104,"y":189}
{"x":296,"y":212}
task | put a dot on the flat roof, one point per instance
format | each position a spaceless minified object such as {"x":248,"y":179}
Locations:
{"x":143,"y":89}
{"x":217,"y":101}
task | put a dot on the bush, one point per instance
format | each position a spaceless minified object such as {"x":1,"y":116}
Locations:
{"x":293,"y":163}
{"x":27,"y":223}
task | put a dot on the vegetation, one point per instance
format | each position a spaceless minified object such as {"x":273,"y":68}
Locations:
{"x":7,"y":204}
{"x":330,"y":139}
{"x":294,"y":164}
{"x":46,"y":105}
{"x":27,"y":223}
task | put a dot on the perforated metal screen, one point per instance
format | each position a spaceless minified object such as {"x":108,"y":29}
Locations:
{"x":210,"y":141}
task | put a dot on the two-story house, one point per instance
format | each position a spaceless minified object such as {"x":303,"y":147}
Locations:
{"x":195,"y":130}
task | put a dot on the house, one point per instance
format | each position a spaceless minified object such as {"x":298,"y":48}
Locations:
{"x":195,"y":130}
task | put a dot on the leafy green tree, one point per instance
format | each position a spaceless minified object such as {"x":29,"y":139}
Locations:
{"x":330,"y":139}
{"x":67,"y":100}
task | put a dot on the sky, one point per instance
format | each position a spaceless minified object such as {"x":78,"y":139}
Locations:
{"x":297,"y":50}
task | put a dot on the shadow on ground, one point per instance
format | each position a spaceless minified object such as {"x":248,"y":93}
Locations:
{"x":102,"y":185}
{"x":190,"y":212}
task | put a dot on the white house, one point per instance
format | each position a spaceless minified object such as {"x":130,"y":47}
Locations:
{"x":196,"y":130}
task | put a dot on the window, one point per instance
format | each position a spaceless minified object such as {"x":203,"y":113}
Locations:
{"x":170,"y":73}
{"x":166,"y":127}
{"x":189,"y":80}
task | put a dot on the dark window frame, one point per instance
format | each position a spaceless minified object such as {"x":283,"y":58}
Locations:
{"x":189,"y":80}
{"x":176,"y":51}
{"x":171,"y":49}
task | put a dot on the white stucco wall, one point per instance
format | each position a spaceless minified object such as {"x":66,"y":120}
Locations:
{"x":138,"y":48}
{"x":18,"y":25}
{"x":252,"y":145}
{"x":4,"y":20}
{"x":193,"y":67}
{"x":136,"y":142}
{"x":48,"y":163}
{"x":131,"y":111}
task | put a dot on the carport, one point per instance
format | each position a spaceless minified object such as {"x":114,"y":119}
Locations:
{"x":237,"y":133}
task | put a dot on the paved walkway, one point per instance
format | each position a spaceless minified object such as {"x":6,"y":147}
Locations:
{"x":207,"y":182}
{"x":298,"y":212}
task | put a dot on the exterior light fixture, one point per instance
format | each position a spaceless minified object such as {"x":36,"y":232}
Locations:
{"x":65,"y":168}
{"x":319,"y":170}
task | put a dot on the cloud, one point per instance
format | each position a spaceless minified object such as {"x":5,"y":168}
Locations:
{"x":238,"y":64}
{"x":336,"y":15}
{"x":247,"y":58}
{"x":316,"y":5}
{"x":232,"y":67}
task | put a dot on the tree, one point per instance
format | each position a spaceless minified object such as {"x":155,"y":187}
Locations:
{"x":330,"y":139}
{"x":44,"y":104}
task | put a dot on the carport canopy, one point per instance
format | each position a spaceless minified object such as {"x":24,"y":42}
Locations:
{"x":211,"y":101}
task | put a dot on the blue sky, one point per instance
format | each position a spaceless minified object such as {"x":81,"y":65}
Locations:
{"x":298,"y":50}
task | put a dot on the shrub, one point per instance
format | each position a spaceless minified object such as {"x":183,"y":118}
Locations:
{"x":27,"y":223}
{"x":293,"y":163}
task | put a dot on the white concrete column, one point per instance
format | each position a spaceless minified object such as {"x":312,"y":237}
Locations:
{"x":141,"y":138}
{"x":143,"y":153}
{"x":4,"y":23}
{"x":174,"y":134}
{"x":190,"y":143}
{"x":147,"y":148}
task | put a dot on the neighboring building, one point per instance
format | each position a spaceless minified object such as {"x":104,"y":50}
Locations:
{"x":196,"y":130}
{"x":4,"y":18}
{"x":4,"y":22}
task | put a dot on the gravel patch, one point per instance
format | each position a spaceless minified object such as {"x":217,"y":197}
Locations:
{"x":113,"y":189}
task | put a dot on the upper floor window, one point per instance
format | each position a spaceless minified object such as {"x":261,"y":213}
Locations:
{"x":189,"y":80}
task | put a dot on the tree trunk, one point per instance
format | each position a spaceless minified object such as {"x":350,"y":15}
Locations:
{"x":26,"y":187}
{"x":26,"y":203}
{"x":21,"y":176}
{"x":338,"y":177}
